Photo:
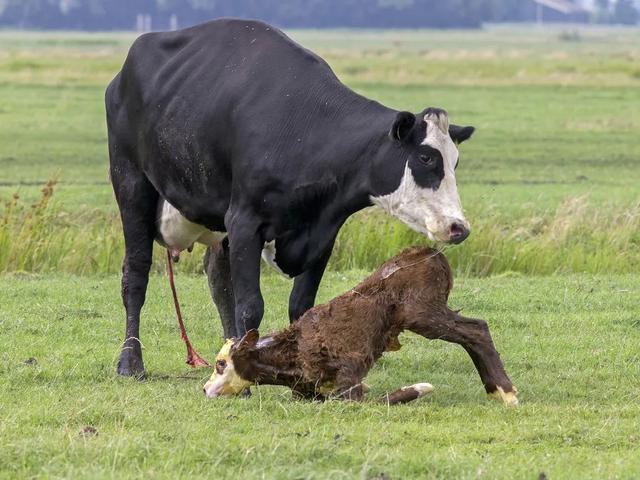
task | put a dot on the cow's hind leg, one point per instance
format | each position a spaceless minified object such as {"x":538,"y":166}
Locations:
{"x":473,"y":335}
{"x":218,"y":269}
{"x":137,"y":200}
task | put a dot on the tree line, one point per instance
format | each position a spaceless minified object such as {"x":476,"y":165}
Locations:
{"x":162,"y":14}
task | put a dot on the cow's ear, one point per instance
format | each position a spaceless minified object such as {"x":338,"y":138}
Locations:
{"x":402,"y":126}
{"x":460,"y":134}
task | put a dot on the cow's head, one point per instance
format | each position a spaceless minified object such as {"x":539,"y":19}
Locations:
{"x":225,"y":380}
{"x":425,"y":196}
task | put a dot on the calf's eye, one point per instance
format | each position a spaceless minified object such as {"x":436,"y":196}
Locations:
{"x":220,"y":366}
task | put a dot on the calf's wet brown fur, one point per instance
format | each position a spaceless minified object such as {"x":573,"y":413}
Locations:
{"x":331,"y":348}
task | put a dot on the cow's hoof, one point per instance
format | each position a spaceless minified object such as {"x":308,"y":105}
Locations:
{"x":131,"y":366}
{"x":508,"y":398}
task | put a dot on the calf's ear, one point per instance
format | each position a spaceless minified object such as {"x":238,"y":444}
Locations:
{"x":249,"y":340}
{"x":460,"y":134}
{"x":402,"y":126}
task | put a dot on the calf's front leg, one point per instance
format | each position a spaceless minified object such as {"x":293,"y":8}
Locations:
{"x":473,"y":335}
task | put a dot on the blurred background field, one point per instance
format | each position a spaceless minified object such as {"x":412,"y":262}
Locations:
{"x":549,"y":181}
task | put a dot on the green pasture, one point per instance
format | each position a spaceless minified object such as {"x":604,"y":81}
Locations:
{"x":569,"y":343}
{"x":549,"y":183}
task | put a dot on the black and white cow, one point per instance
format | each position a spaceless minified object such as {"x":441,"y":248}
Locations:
{"x":231,"y":130}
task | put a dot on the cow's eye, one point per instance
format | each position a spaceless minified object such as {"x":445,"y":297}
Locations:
{"x":220,"y":366}
{"x":428,"y":161}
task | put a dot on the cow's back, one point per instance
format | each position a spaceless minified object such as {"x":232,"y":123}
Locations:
{"x":226,"y":95}
{"x":213,"y":70}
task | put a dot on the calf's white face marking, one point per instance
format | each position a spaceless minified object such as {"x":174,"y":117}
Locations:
{"x":429,"y":211}
{"x":225,"y":380}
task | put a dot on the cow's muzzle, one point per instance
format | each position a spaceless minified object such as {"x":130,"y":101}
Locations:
{"x":458,"y":232}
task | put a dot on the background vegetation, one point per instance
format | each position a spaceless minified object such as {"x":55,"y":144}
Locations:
{"x":549,"y":181}
{"x":123,"y":14}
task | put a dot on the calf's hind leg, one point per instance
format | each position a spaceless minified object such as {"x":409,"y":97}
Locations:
{"x":473,"y":335}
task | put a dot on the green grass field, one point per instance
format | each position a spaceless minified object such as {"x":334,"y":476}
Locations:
{"x":549,"y":183}
{"x":570,"y":344}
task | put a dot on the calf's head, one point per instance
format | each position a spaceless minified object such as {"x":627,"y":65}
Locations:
{"x":225,"y":380}
{"x":423,"y":193}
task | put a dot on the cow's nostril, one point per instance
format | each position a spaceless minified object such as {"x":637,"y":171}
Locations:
{"x":458,"y":233}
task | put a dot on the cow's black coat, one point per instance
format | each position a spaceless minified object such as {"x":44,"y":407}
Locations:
{"x":245,"y":131}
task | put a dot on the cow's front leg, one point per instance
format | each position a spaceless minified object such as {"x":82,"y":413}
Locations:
{"x":473,"y":335}
{"x":245,"y":249}
{"x":218,"y":269}
{"x":305,"y":287}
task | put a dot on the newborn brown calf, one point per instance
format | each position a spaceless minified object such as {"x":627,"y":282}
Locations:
{"x":331,"y":348}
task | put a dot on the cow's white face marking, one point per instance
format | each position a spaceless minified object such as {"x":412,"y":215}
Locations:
{"x":430,"y":211}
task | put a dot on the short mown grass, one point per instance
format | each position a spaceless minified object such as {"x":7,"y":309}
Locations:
{"x":569,"y":343}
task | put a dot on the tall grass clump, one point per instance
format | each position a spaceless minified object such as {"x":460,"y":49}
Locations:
{"x":37,"y":238}
{"x":576,"y":237}
{"x":40,"y":237}
{"x":23,"y":231}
